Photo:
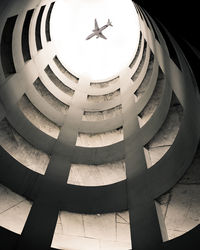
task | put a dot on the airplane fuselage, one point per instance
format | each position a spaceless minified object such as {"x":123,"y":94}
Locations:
{"x":97,"y":32}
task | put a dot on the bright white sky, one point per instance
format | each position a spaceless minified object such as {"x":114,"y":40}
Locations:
{"x":98,"y":59}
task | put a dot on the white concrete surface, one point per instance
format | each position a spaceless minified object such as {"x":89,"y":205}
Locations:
{"x":180,"y":206}
{"x":37,"y":118}
{"x":14,"y":210}
{"x":183,"y":211}
{"x":102,"y":115}
{"x":21,"y":150}
{"x":102,"y":98}
{"x":97,"y":175}
{"x":96,"y":232}
{"x":153,"y":103}
{"x":164,"y":138}
{"x":104,"y":84}
{"x":101,"y":139}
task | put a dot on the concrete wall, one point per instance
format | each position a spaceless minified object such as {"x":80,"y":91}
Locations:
{"x":180,"y":206}
{"x":14,"y":210}
{"x":134,"y":136}
{"x":101,"y":231}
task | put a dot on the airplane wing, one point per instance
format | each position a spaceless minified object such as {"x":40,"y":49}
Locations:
{"x":96,"y":25}
{"x":102,"y":36}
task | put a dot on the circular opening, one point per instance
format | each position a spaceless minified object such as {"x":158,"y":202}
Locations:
{"x":97,"y":58}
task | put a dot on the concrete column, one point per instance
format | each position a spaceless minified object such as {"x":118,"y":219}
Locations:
{"x":40,"y":225}
{"x":145,"y":227}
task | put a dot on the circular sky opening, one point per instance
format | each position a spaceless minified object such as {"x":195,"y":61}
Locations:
{"x":73,"y":21}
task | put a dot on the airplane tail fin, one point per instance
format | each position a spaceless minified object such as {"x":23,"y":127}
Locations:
{"x":109,"y":23}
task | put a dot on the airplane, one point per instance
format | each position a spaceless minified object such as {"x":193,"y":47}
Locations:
{"x":98,"y":31}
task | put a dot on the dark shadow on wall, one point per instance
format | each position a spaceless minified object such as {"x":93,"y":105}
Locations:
{"x":6,"y":47}
{"x":188,"y":241}
{"x":182,"y":20}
